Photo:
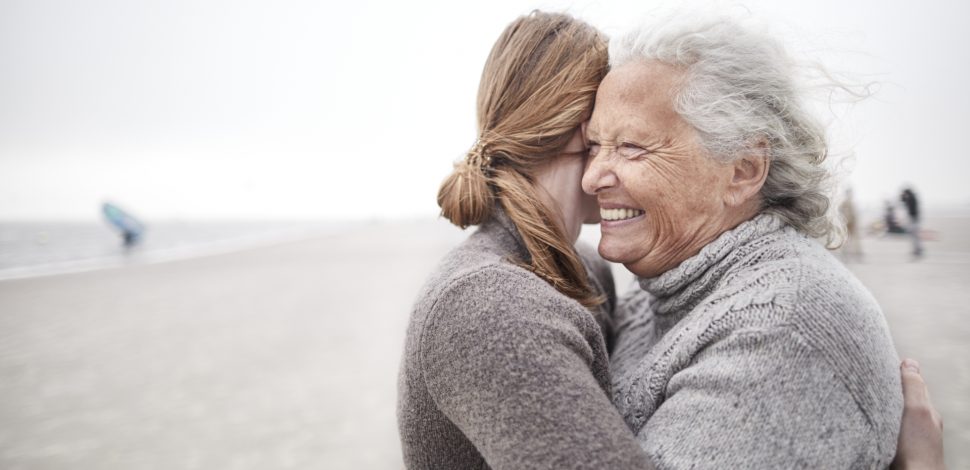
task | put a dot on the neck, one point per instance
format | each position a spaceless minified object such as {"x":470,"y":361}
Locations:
{"x":702,"y":235}
{"x":679,"y":288}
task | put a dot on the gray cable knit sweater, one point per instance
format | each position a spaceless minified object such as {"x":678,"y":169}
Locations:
{"x":762,"y":351}
{"x":502,"y":371}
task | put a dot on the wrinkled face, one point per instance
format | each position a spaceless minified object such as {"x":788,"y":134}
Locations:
{"x":560,"y":180}
{"x":661,"y":197}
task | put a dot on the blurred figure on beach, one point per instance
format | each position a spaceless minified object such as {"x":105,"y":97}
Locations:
{"x":852,"y":248}
{"x":125,"y":224}
{"x":889,"y":225}
{"x":908,"y":197}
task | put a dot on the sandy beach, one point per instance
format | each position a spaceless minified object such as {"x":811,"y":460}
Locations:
{"x":286,"y":356}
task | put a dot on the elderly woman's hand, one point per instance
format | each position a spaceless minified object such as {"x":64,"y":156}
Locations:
{"x":921,"y":434}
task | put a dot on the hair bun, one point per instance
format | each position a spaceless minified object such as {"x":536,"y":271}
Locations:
{"x":465,"y":197}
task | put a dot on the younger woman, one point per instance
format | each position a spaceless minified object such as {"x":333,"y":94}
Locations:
{"x":506,"y":362}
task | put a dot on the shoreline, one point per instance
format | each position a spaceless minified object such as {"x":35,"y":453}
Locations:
{"x":147,"y":255}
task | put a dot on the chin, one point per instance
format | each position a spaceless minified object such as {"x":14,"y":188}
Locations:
{"x":639,"y":270}
{"x":611,"y":252}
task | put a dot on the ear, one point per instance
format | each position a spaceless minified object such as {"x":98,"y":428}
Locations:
{"x":750,"y":172}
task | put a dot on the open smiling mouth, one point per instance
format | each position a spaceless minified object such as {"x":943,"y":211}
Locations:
{"x":620,"y":214}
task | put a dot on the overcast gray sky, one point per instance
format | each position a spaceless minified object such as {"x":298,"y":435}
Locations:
{"x":251,"y":109}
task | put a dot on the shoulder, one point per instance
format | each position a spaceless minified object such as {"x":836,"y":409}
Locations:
{"x":501,"y":320}
{"x":796,"y":285}
{"x":502,"y":293}
{"x":494,"y":303}
{"x":494,"y":287}
{"x":806,"y":410}
{"x":796,"y":273}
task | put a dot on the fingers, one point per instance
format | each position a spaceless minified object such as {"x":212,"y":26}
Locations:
{"x":914,"y":388}
{"x":921,"y":431}
{"x":916,"y":395}
{"x":910,"y":363}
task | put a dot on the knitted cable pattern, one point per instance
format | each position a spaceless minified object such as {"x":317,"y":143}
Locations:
{"x":762,"y":350}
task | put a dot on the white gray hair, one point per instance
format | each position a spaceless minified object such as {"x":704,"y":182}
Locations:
{"x":739,"y":89}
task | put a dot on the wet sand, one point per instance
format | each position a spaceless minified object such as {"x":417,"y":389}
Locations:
{"x":286,"y":356}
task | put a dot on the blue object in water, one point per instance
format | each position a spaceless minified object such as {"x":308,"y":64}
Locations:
{"x":130,"y":228}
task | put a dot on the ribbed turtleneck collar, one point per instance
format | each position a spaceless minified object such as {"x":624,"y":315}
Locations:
{"x":681,"y":288}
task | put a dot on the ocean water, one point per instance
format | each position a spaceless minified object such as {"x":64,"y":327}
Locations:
{"x":29,"y":249}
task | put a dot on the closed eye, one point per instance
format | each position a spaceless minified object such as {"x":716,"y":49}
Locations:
{"x":594,"y":148}
{"x":631,"y":151}
{"x":626,"y":150}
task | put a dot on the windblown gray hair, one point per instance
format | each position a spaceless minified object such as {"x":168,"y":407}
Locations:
{"x":740,"y":90}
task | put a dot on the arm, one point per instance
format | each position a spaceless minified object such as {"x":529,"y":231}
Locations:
{"x":761,"y":398}
{"x":513,"y":369}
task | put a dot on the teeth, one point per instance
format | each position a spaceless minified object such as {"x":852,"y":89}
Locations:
{"x":619,"y":214}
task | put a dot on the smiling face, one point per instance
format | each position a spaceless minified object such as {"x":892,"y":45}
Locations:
{"x":661,"y":197}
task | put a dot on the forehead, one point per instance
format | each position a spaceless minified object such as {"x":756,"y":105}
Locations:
{"x":637,"y":96}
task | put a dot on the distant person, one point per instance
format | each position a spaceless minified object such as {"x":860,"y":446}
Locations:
{"x":127,"y":225}
{"x":889,"y":219}
{"x":852,"y":248}
{"x":912,"y":209}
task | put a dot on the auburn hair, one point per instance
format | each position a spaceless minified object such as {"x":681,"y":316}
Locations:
{"x":538,"y":85}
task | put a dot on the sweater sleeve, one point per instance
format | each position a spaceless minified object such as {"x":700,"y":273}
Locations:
{"x":512,"y":367}
{"x":758,"y":399}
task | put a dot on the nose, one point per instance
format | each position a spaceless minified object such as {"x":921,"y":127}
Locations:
{"x":599,"y":173}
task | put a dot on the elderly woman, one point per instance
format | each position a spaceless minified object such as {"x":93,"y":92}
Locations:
{"x":749,"y":342}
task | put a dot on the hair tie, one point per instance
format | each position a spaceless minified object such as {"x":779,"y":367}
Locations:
{"x":478,"y":157}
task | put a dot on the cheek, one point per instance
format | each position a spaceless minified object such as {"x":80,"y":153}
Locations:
{"x":668,"y":202}
{"x":702,"y":181}
{"x":654,"y":188}
{"x":689,"y":191}
{"x":577,"y":206}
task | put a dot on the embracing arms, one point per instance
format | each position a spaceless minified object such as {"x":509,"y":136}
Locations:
{"x":522,"y":375}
